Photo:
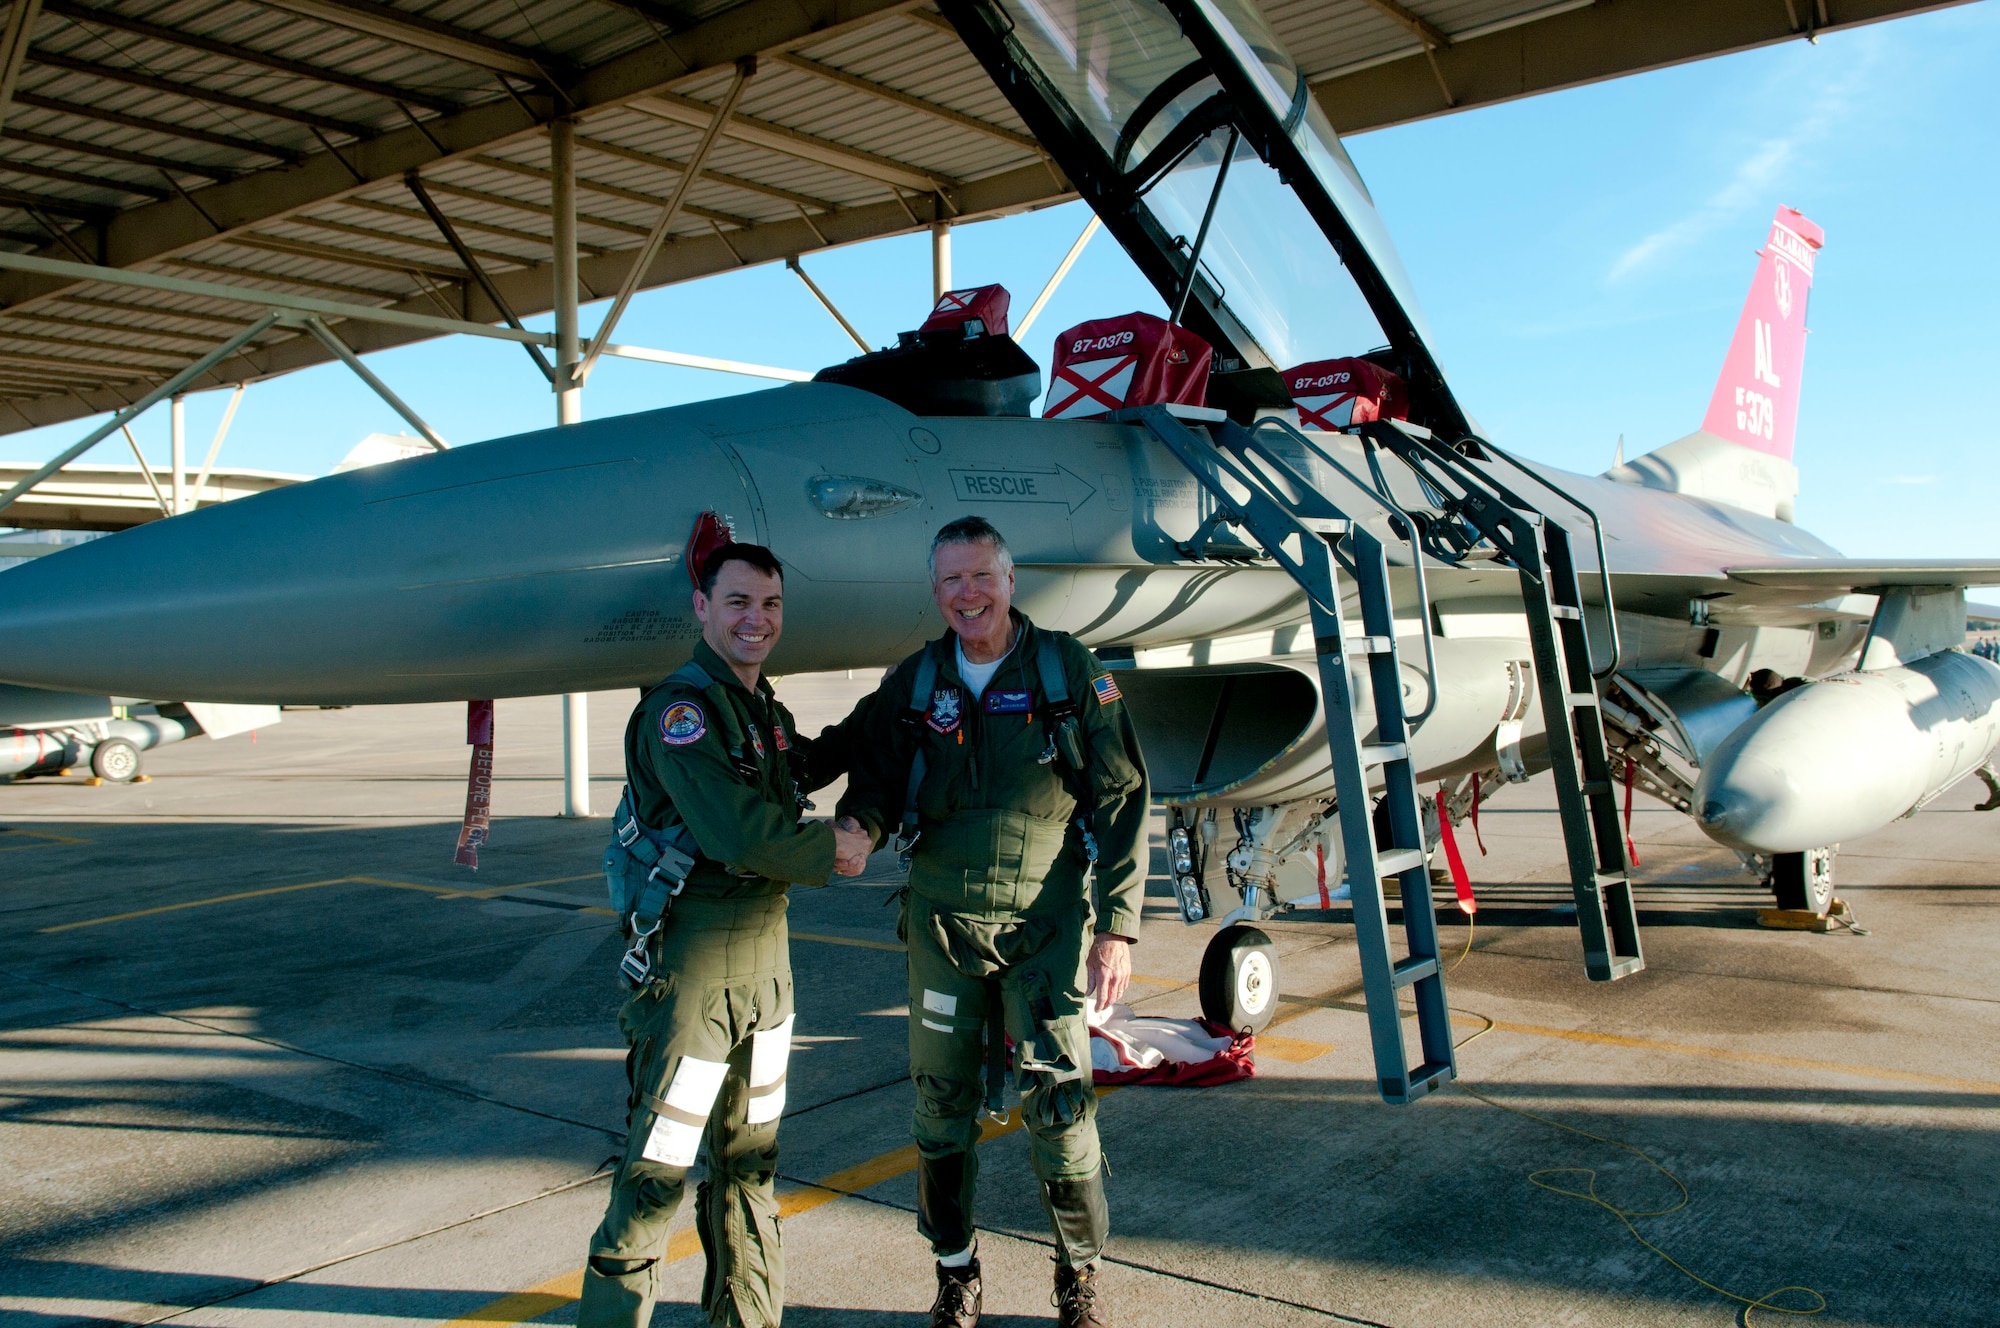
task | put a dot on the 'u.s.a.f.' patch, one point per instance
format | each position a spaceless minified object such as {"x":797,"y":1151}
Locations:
{"x":682,"y":723}
{"x":1106,"y":689}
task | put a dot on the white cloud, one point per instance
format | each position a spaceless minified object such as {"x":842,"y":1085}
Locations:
{"x":1750,"y":186}
{"x":1913,"y":479}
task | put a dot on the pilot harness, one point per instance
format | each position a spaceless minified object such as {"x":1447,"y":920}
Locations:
{"x":1069,"y":751}
{"x":664,"y":856}
{"x":1066,"y":744}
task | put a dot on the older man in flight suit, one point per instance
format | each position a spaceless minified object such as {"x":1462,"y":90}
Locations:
{"x":1004,"y":754}
{"x":710,"y":824}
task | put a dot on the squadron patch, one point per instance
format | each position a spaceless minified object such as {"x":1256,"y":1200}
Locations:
{"x":757,"y":742}
{"x":1106,"y":689}
{"x":682,"y":723}
{"x":778,"y":734}
{"x":945,"y":708}
{"x":1009,"y":703}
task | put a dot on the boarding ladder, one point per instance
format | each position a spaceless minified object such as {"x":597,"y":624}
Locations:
{"x":1473,"y":513}
{"x":1264,"y":494}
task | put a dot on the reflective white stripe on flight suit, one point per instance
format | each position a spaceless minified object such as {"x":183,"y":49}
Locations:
{"x":678,"y":1119}
{"x":770,"y":1050}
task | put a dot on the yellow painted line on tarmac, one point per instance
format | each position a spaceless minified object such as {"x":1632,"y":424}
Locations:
{"x":1296,"y":1050}
{"x":193,"y":903}
{"x":557,"y":1292}
{"x":819,"y":939}
{"x":1749,"y":1057}
{"x":496,"y":890}
{"x":48,"y":840}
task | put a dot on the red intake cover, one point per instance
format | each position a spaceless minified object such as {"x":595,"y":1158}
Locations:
{"x":956,"y":308}
{"x":1332,"y":394}
{"x":1137,"y":360}
{"x":710,"y":533}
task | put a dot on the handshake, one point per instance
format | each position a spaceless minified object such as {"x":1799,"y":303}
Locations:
{"x":851,"y":846}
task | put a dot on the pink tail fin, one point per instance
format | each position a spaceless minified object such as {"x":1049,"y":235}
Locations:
{"x":1757,"y":397}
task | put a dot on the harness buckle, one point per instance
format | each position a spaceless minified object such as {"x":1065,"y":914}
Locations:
{"x":636,"y":968}
{"x":905,"y":846}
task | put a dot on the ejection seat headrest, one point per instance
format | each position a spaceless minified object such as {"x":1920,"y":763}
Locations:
{"x":1134,"y":360}
{"x":1333,"y":394}
{"x":979,"y":310}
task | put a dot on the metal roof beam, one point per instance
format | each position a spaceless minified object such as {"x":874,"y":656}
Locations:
{"x":712,"y":175}
{"x":424,"y":324}
{"x":529,"y":206}
{"x":796,"y":143}
{"x":139,"y":234}
{"x":40,"y":338}
{"x":61,"y":207}
{"x":609,"y":191}
{"x":111,"y":18}
{"x":1425,"y":30}
{"x":131,"y":307}
{"x":423,"y":242}
{"x":195,"y":92}
{"x":333,"y":253}
{"x":402,"y":28}
{"x":883,"y":92}
{"x":83,"y":149}
{"x":161,"y":127}
{"x":412,"y":214}
{"x":1565,"y":46}
{"x":78,"y":177}
{"x":95,"y":325}
{"x":304,"y":283}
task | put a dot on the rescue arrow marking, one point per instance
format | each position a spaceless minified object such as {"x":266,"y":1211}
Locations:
{"x":1008,"y":484}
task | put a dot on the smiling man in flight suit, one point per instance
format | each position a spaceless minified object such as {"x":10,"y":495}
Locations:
{"x":1004,"y":754}
{"x":710,"y":824}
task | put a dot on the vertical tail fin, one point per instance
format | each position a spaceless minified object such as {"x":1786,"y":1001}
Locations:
{"x":1757,"y":397}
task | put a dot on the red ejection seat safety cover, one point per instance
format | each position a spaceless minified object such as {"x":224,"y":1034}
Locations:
{"x":956,"y":308}
{"x":1332,"y":394}
{"x":1136,"y":360}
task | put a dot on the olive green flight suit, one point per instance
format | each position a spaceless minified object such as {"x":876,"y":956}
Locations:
{"x":710,"y":1034}
{"x":997,"y":918}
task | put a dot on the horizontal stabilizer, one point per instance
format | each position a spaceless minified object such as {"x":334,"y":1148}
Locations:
{"x":1867,"y":575}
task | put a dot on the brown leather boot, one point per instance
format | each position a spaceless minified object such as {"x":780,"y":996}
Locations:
{"x":1075,"y":1297}
{"x":958,"y":1297}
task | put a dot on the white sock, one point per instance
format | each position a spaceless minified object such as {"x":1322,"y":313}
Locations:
{"x":960,"y":1260}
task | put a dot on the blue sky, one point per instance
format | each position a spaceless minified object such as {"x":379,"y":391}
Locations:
{"x":1581,"y":256}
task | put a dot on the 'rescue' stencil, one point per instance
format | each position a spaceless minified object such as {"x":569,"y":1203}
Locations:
{"x":682,"y":723}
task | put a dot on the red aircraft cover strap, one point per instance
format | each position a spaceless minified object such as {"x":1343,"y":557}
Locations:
{"x":478,"y":783}
{"x":1631,"y":849}
{"x":1461,"y":881}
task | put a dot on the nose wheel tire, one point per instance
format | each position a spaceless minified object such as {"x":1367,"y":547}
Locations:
{"x":1239,"y":979}
{"x":116,"y":761}
{"x":1803,"y":880}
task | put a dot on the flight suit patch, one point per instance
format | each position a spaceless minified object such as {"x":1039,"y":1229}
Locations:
{"x":778,"y":734}
{"x":1009,"y":703}
{"x":945,"y":709}
{"x":757,"y":742}
{"x":682,"y":723}
{"x":1106,"y":689}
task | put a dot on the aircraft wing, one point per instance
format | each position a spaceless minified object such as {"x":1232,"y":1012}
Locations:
{"x":1835,"y":575}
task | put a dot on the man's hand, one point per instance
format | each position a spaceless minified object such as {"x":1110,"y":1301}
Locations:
{"x":851,"y":846}
{"x":1109,"y":968}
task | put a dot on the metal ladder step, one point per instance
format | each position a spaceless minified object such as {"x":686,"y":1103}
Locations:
{"x":1398,"y":861}
{"x":1414,"y":969}
{"x":1376,"y":754}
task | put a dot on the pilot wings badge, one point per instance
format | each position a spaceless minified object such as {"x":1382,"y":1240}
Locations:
{"x":944,"y":714}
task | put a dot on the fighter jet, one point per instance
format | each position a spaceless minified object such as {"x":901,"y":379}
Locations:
{"x":1321,"y":589}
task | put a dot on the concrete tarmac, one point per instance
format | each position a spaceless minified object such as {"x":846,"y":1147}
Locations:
{"x":267,"y":1057}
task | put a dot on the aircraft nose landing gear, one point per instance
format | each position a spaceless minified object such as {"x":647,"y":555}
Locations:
{"x":1239,"y":979}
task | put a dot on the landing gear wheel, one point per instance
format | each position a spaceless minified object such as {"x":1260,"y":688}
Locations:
{"x":1803,"y":881}
{"x":116,"y":761}
{"x":1239,"y":979}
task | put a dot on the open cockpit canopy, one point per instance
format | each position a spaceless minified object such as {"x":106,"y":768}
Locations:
{"x":1191,"y":131}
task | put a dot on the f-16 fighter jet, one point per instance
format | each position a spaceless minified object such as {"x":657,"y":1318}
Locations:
{"x":1322,"y":590}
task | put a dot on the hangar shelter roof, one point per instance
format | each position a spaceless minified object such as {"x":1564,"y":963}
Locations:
{"x":270,"y":146}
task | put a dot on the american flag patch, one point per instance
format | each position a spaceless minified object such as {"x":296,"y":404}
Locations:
{"x":1106,"y":689}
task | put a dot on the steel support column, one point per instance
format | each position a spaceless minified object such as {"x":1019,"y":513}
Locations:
{"x":940,"y":259}
{"x":178,"y":418}
{"x":569,"y":410}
